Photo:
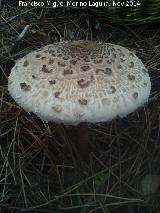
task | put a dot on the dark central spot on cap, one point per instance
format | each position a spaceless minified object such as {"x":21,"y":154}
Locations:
{"x":26,"y":63}
{"x":83,"y":101}
{"x":85,"y":68}
{"x":25,"y":87}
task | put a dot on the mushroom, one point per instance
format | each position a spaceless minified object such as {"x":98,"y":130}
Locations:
{"x":80,"y":82}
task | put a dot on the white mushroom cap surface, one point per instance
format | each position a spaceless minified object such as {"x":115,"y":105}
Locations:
{"x":80,"y":81}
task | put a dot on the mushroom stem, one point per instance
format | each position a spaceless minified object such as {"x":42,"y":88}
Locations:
{"x":83,"y":140}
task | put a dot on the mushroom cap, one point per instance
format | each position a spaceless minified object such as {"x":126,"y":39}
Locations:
{"x":80,"y":81}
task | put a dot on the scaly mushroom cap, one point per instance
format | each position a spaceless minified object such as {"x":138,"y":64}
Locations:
{"x":80,"y":81}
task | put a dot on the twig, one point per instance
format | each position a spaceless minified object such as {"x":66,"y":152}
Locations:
{"x":23,"y":33}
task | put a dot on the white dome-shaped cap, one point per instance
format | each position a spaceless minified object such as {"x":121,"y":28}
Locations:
{"x":80,"y":81}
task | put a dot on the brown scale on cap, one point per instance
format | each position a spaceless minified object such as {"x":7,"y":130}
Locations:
{"x":115,"y":99}
{"x":25,"y":87}
{"x":51,"y":51}
{"x":65,"y":57}
{"x":121,"y":54}
{"x":57,"y":108}
{"x":93,"y":57}
{"x":131,"y":54}
{"x":131,"y":65}
{"x":73,"y":62}
{"x":83,"y":101}
{"x":61,"y":64}
{"x":34,"y":77}
{"x":51,"y":82}
{"x":114,"y":55}
{"x":57,"y":94}
{"x":144,"y":84}
{"x":44,"y":69}
{"x":68,"y":72}
{"x":85,"y":68}
{"x":51,"y":61}
{"x":38,"y":55}
{"x":43,"y":58}
{"x":83,"y":84}
{"x":131,"y":77}
{"x":73,"y":55}
{"x":113,"y":89}
{"x":122,"y":60}
{"x":26,"y":63}
{"x":135,"y":95}
{"x":119,"y":66}
{"x":109,"y":62}
{"x":86,"y":59}
{"x":99,"y":70}
{"x":107,"y":71}
{"x":119,"y":50}
{"x":98,"y":61}
{"x":78,"y":115}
